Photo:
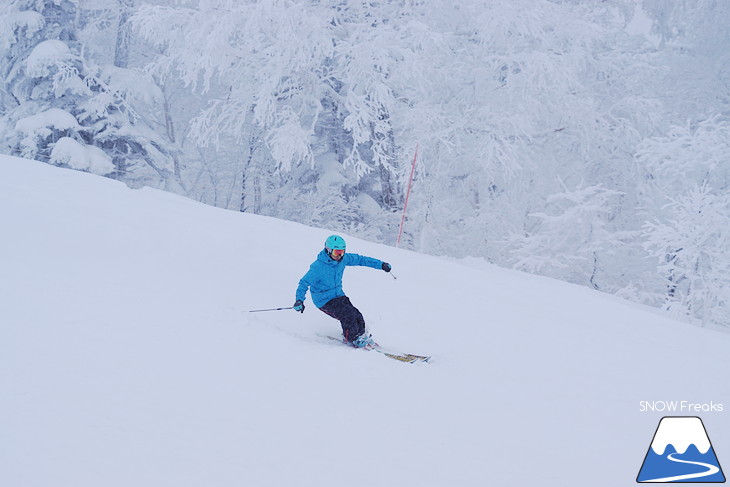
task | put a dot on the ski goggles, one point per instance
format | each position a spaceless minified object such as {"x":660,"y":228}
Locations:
{"x":338,"y":252}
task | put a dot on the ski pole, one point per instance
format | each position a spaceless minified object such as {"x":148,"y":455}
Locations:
{"x":270,"y":309}
{"x":392,"y":275}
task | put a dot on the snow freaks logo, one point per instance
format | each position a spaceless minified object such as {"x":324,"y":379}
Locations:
{"x":681,"y":452}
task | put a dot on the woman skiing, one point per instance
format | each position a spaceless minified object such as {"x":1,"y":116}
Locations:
{"x":324,"y":281}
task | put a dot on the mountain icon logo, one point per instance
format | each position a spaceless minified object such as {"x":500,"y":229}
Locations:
{"x":681,"y":452}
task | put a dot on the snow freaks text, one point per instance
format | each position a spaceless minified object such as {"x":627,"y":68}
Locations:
{"x":680,"y":407}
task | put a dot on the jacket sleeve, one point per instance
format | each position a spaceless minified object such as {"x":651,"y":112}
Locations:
{"x":361,"y":260}
{"x":304,"y":284}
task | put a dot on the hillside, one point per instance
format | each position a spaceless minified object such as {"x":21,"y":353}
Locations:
{"x":129,"y":357}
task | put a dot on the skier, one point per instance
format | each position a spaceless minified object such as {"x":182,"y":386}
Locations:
{"x":324,"y":281}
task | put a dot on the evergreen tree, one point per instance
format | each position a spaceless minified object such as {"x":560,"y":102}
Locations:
{"x":69,"y":111}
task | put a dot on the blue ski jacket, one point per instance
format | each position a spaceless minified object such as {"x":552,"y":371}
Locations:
{"x":324,"y":278}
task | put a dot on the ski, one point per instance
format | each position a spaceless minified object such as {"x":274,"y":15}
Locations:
{"x":401,"y":357}
{"x":405,"y":357}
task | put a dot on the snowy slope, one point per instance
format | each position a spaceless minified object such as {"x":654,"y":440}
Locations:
{"x":129,"y":358}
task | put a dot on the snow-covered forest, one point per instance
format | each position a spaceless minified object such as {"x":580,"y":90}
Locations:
{"x":587,"y":140}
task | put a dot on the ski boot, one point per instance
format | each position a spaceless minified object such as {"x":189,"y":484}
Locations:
{"x":364,"y":341}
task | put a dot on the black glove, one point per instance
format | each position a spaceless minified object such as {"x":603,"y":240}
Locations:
{"x":299,"y":306}
{"x":386,"y":267}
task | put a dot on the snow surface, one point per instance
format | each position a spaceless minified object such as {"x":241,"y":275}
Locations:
{"x":129,"y":358}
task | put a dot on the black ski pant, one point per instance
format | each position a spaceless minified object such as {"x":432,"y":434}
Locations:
{"x":353,"y":324}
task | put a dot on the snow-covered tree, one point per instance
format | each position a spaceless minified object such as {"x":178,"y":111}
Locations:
{"x":41,"y":66}
{"x":569,"y":239}
{"x":538,"y":92}
{"x":684,"y":193}
{"x":305,"y":79}
{"x":689,"y":154}
{"x":68,"y":110}
{"x":691,"y":246}
{"x":694,"y":56}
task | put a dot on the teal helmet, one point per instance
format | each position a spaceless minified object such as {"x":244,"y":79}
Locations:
{"x":335,"y":243}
